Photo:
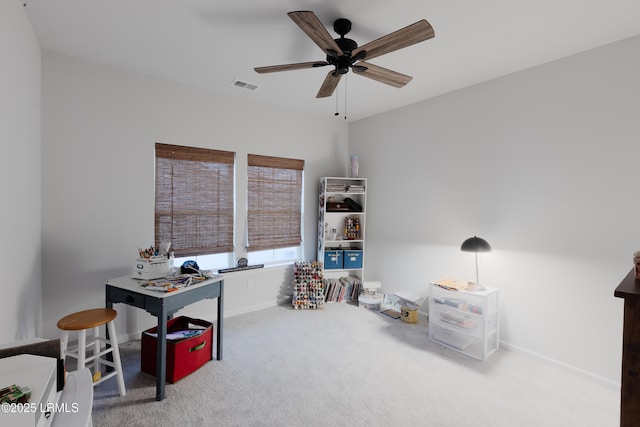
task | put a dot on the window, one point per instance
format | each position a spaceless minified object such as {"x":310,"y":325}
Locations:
{"x":194,"y":208}
{"x":274,"y":208}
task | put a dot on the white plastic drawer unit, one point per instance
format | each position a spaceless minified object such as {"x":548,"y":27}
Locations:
{"x":465,"y":321}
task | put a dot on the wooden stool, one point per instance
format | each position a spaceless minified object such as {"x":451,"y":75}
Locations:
{"x":93,"y":319}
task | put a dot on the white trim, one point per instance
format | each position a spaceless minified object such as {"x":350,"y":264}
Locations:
{"x":613,"y":385}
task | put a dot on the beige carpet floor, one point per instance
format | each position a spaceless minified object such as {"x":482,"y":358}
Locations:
{"x":347,"y":366}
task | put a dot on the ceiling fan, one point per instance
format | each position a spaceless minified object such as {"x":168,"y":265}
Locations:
{"x":344,"y":54}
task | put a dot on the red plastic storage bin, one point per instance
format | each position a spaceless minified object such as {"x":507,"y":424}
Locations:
{"x":184,"y":356}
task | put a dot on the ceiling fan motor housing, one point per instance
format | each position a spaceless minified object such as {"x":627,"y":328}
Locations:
{"x":342,"y":63}
{"x":346,"y":45}
{"x":342,"y":26}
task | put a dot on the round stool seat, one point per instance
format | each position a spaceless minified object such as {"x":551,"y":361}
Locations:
{"x":87,"y":319}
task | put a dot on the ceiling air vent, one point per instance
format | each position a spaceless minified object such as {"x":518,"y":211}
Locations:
{"x":245,"y":85}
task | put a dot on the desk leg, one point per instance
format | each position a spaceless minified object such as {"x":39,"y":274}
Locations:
{"x":161,"y":354}
{"x":220,"y":322}
{"x":108,"y":304}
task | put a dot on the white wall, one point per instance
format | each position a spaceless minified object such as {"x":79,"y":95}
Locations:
{"x":20,"y":259}
{"x":99,"y":129}
{"x":544,"y":165}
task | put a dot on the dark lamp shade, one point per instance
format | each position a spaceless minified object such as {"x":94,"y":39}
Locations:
{"x":475,"y":244}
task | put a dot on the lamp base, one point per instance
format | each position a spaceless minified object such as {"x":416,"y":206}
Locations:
{"x":474,"y":286}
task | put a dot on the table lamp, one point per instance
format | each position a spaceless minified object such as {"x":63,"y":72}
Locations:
{"x":476,"y":244}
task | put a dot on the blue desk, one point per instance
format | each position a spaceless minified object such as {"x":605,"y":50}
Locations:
{"x":164,"y":305}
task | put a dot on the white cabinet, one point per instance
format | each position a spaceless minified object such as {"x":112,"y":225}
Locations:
{"x":40,"y":375}
{"x":341,"y":226}
{"x":465,"y":321}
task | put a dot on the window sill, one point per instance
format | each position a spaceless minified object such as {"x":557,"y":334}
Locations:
{"x":253,"y":271}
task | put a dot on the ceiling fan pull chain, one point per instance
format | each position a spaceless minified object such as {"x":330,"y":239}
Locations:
{"x":337,"y":95}
{"x":345,"y":96}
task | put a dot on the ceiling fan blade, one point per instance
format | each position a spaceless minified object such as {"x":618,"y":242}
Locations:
{"x":407,"y":36}
{"x":311,"y":25}
{"x":329,"y":85}
{"x":289,"y":67}
{"x":382,"y":74}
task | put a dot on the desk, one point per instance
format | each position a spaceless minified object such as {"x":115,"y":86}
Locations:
{"x":164,"y":305}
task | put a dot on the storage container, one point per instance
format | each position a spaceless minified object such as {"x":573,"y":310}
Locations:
{"x":465,"y":321}
{"x":149,"y":269}
{"x":408,"y":314}
{"x":185,"y":355}
{"x":333,"y":259}
{"x":370,"y":302}
{"x":352,"y":258}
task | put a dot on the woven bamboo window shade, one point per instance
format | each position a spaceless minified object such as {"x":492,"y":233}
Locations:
{"x":274,"y":202}
{"x":194,"y":199}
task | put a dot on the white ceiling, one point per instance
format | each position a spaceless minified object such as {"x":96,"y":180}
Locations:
{"x":210,"y":43}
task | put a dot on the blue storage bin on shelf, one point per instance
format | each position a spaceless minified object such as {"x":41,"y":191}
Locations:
{"x":352,"y":258}
{"x":333,"y":259}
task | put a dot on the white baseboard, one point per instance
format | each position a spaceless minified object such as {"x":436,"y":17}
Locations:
{"x":613,"y":385}
{"x":249,"y":309}
{"x":606,"y":382}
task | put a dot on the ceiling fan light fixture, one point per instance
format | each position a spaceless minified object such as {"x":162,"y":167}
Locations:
{"x":343,"y":65}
